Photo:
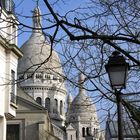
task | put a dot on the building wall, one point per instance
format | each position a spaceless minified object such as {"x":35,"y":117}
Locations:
{"x":8,"y":25}
{"x":71,"y":133}
{"x":3,"y":128}
{"x":32,"y":119}
{"x":46,"y":88}
{"x":2,"y":79}
{"x":8,"y":61}
{"x":9,"y":55}
{"x":34,"y":125}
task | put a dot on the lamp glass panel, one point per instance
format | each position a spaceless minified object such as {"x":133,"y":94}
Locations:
{"x":117,"y":76}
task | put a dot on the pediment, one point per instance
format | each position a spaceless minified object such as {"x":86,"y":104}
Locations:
{"x":70,"y":127}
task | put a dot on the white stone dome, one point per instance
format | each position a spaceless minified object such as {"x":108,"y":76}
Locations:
{"x":37,"y":53}
{"x":82,"y":106}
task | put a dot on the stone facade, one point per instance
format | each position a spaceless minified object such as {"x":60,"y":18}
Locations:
{"x":32,"y":121}
{"x":41,"y":78}
{"x":40,"y":75}
{"x":9,"y":55}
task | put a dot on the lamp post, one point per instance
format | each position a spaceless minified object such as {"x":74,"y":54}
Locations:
{"x":117,"y":69}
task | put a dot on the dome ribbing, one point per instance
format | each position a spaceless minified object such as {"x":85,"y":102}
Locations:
{"x":37,"y":53}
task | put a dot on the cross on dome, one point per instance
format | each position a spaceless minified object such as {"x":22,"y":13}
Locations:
{"x":81,"y":83}
{"x":37,"y":18}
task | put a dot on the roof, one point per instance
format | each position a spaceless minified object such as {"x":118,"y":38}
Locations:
{"x":128,"y":129}
{"x":82,"y":106}
{"x":70,"y":127}
{"x":37,"y":53}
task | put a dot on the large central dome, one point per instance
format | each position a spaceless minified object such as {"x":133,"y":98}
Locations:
{"x":40,"y":73}
{"x":37,"y":52}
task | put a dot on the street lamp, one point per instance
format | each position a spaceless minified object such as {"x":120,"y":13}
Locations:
{"x":117,"y":69}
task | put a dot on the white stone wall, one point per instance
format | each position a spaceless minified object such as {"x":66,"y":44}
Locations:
{"x":8,"y":62}
{"x":11,"y":65}
{"x":71,"y":133}
{"x":84,"y":123}
{"x":8,"y":27}
{"x":2,"y":91}
{"x":2,"y":79}
{"x":39,"y":85}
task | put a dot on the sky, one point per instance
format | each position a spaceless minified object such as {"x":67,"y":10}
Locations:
{"x":24,"y":10}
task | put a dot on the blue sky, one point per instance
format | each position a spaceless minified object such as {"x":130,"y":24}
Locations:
{"x":24,"y":10}
{"x":24,"y":13}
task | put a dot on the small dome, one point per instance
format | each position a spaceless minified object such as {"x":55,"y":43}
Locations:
{"x":37,"y":53}
{"x":82,"y":106}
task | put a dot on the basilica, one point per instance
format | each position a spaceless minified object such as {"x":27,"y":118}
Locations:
{"x":44,"y":108}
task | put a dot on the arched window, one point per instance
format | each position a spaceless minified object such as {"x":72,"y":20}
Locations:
{"x":54,"y":77}
{"x":47,"y":104}
{"x":95,"y":131}
{"x":61,"y":107}
{"x":38,"y":100}
{"x":47,"y":77}
{"x":21,"y":77}
{"x":71,"y":137}
{"x":29,"y":76}
{"x":83,"y":131}
{"x":88,"y":131}
{"x":38,"y":76}
{"x":55,"y":106}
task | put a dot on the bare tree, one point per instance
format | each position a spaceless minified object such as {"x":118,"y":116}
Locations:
{"x":86,"y":36}
{"x":96,"y":29}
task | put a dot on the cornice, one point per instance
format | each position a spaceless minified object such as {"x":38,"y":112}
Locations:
{"x":10,"y":47}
